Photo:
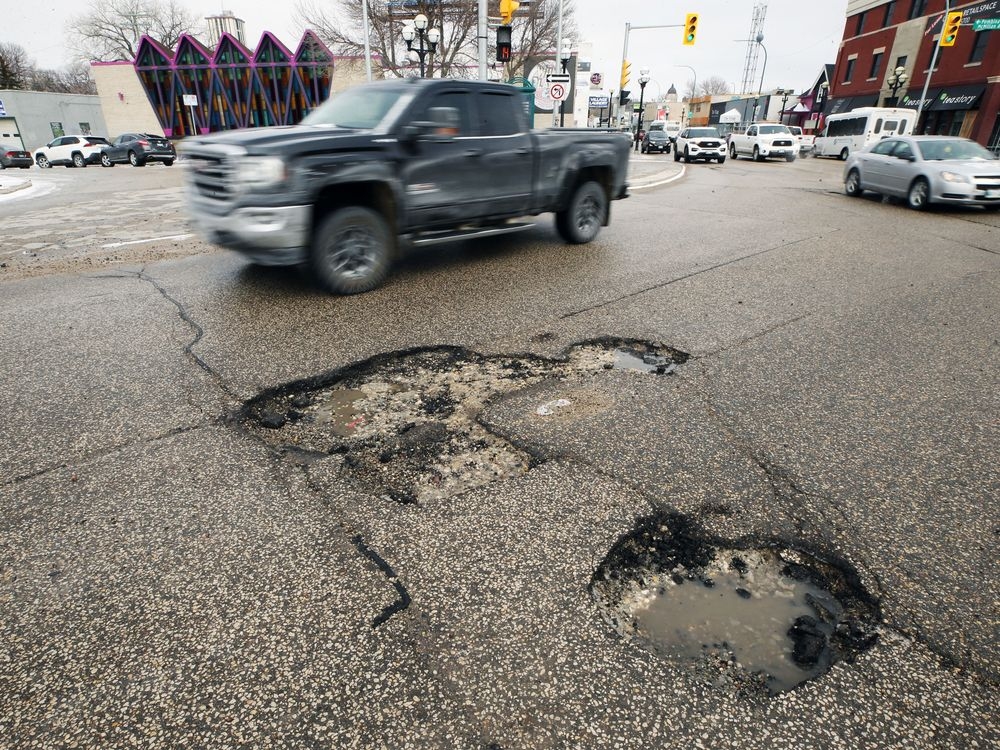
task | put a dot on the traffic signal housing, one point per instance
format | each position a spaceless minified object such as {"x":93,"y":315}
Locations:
{"x":949,"y":33}
{"x":623,"y":97}
{"x":507,"y":9}
{"x":690,"y":28}
{"x":626,"y":68}
{"x":503,"y":43}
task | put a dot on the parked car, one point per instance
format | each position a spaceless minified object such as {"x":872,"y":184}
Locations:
{"x":138,"y":149}
{"x":806,"y":142}
{"x":71,"y":151}
{"x":655,"y":140}
{"x":700,"y":144}
{"x":926,"y":169}
{"x":14,"y":157}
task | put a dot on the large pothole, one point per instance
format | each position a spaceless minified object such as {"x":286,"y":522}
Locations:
{"x":762,"y":618}
{"x":406,"y":426}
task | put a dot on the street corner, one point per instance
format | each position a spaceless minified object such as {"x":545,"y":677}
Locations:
{"x":647,"y":171}
{"x":10,"y":185}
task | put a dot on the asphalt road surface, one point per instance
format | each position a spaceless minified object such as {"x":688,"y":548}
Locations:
{"x":237,"y":512}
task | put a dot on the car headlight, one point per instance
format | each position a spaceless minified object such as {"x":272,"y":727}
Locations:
{"x":954,"y":177}
{"x":260,"y":171}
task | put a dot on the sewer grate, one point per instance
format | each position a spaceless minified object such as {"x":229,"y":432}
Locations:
{"x":762,"y":619}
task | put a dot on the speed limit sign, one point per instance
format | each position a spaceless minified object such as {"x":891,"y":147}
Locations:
{"x":558,"y":92}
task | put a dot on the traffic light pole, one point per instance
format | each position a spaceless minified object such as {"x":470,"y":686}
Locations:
{"x":628,"y":30}
{"x":927,"y":82}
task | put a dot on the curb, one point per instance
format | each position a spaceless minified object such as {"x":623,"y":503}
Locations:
{"x":12,"y":186}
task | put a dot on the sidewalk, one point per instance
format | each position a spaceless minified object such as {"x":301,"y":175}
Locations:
{"x":11,"y":184}
{"x":648,"y":170}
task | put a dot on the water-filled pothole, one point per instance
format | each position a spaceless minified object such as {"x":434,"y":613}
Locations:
{"x":768,"y":618}
{"x":406,"y":426}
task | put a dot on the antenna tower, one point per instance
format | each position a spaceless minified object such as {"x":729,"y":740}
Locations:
{"x":753,"y":49}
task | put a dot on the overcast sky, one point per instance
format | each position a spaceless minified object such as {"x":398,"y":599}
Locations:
{"x":799,"y":36}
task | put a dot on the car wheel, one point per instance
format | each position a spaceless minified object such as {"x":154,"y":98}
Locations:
{"x":43,"y":162}
{"x":134,"y":160}
{"x":852,"y":185}
{"x":168,"y":163}
{"x":844,"y":153}
{"x":919,"y":195}
{"x":687,"y":156}
{"x":722,"y":160}
{"x":106,"y":161}
{"x":677,"y":156}
{"x":78,"y":160}
{"x":581,"y":220}
{"x":352,"y":251}
{"x":732,"y":151}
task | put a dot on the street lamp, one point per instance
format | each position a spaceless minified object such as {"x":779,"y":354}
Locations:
{"x":643,"y":80}
{"x":565,"y":55}
{"x":895,"y":81}
{"x":784,"y":98}
{"x":820,"y":101}
{"x":694,"y":85}
{"x":760,"y":90}
{"x":418,"y":29}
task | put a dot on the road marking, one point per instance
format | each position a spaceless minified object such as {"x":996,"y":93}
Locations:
{"x":661,"y":182}
{"x":151,"y":239}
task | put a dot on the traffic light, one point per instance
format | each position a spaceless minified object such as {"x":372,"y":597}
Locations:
{"x":626,"y":67}
{"x":503,"y":43}
{"x":690,"y":28}
{"x":507,"y":8}
{"x":950,"y":31}
{"x":623,"y":97}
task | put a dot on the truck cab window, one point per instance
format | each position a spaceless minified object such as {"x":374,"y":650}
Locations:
{"x":499,"y":114}
{"x":459,"y":100}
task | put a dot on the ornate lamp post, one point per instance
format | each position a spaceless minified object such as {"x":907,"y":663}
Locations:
{"x":895,"y":81}
{"x":565,"y":55}
{"x":418,"y":29}
{"x":820,"y":101}
{"x":643,"y":80}
{"x":785,"y":93}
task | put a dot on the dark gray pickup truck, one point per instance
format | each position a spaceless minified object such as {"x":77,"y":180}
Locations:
{"x":414,"y":161}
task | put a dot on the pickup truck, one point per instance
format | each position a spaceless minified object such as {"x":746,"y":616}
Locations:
{"x":390,"y":164}
{"x":763,"y":140}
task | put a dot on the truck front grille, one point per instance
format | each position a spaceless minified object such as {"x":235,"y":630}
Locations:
{"x":211,"y":176}
{"x":781,"y":143}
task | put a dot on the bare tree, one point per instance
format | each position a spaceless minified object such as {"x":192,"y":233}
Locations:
{"x":534,"y":32}
{"x":15,"y":67}
{"x":711,"y":86}
{"x":111,"y":30}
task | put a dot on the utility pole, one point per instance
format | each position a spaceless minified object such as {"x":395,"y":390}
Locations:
{"x":934,"y":57}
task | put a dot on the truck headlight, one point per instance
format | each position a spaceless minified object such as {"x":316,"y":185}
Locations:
{"x":954,"y":177}
{"x":260,"y":171}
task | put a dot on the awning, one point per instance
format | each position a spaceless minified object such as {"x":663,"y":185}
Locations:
{"x":911,"y":99}
{"x":865,"y":100}
{"x":798,"y":109}
{"x":838,"y":105}
{"x":958,"y":97}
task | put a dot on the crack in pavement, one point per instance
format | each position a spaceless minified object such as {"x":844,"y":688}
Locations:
{"x":699,"y":272}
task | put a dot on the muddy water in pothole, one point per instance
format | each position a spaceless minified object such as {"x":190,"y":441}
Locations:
{"x":648,"y":361}
{"x":340,"y":413}
{"x":746,"y":615}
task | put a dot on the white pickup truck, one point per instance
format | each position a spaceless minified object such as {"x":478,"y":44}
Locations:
{"x":763,"y":140}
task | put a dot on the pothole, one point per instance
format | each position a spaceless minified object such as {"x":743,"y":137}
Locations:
{"x":407,"y":427}
{"x":759,"y":619}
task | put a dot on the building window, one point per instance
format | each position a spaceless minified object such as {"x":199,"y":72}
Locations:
{"x":901,"y":61}
{"x":849,"y":71}
{"x":979,"y":47}
{"x":890,"y":8}
{"x":861,"y":23}
{"x":876,"y":64}
{"x":917,"y":8}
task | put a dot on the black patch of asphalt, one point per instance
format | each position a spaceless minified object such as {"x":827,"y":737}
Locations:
{"x":404,"y":596}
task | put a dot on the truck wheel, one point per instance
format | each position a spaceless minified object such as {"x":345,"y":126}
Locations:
{"x":756,"y":154}
{"x":790,"y":157}
{"x":732,"y":151}
{"x":583,"y":216}
{"x":352,"y":251}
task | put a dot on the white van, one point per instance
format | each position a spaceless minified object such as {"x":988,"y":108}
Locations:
{"x":672,"y":128}
{"x":852,"y":131}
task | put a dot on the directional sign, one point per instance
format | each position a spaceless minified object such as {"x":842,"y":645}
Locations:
{"x":986,"y":24}
{"x":558,"y":92}
{"x":557,"y":78}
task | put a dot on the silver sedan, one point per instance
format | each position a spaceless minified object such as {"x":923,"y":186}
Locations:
{"x":926,"y":169}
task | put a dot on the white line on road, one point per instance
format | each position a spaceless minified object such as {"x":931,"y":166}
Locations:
{"x":661,"y":182}
{"x":151,"y":239}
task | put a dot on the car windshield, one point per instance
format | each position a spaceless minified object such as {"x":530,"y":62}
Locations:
{"x":952,"y":150}
{"x":703,"y":132}
{"x":656,"y":135}
{"x":362,"y":107}
{"x":772,"y":129}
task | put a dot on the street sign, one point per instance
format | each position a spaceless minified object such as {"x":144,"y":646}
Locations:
{"x":598,"y":102}
{"x":986,"y":24}
{"x":558,"y":92}
{"x":190,"y":100}
{"x":557,"y":78}
{"x":3,"y":110}
{"x":595,"y":79}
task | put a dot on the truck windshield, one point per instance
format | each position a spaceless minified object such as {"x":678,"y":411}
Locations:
{"x":772,"y":129}
{"x":361,"y":107}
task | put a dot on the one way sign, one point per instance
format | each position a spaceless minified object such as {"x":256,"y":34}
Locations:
{"x":557,"y":78}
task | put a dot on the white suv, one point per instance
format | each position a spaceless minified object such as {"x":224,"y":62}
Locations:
{"x":695,"y":144}
{"x":71,"y":150}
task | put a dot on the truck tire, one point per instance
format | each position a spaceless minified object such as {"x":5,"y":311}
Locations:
{"x":581,"y":220}
{"x":732,"y":151}
{"x":352,"y":251}
{"x":756,"y":154}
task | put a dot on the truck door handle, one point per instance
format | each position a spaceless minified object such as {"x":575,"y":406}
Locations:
{"x":522,"y":152}
{"x":473,"y":152}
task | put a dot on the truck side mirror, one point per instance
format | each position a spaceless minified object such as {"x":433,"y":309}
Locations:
{"x":442,"y":124}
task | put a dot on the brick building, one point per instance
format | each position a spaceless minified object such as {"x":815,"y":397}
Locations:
{"x":963,"y":97}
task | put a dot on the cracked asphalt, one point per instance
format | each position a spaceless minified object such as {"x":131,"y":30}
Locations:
{"x":168,"y":579}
